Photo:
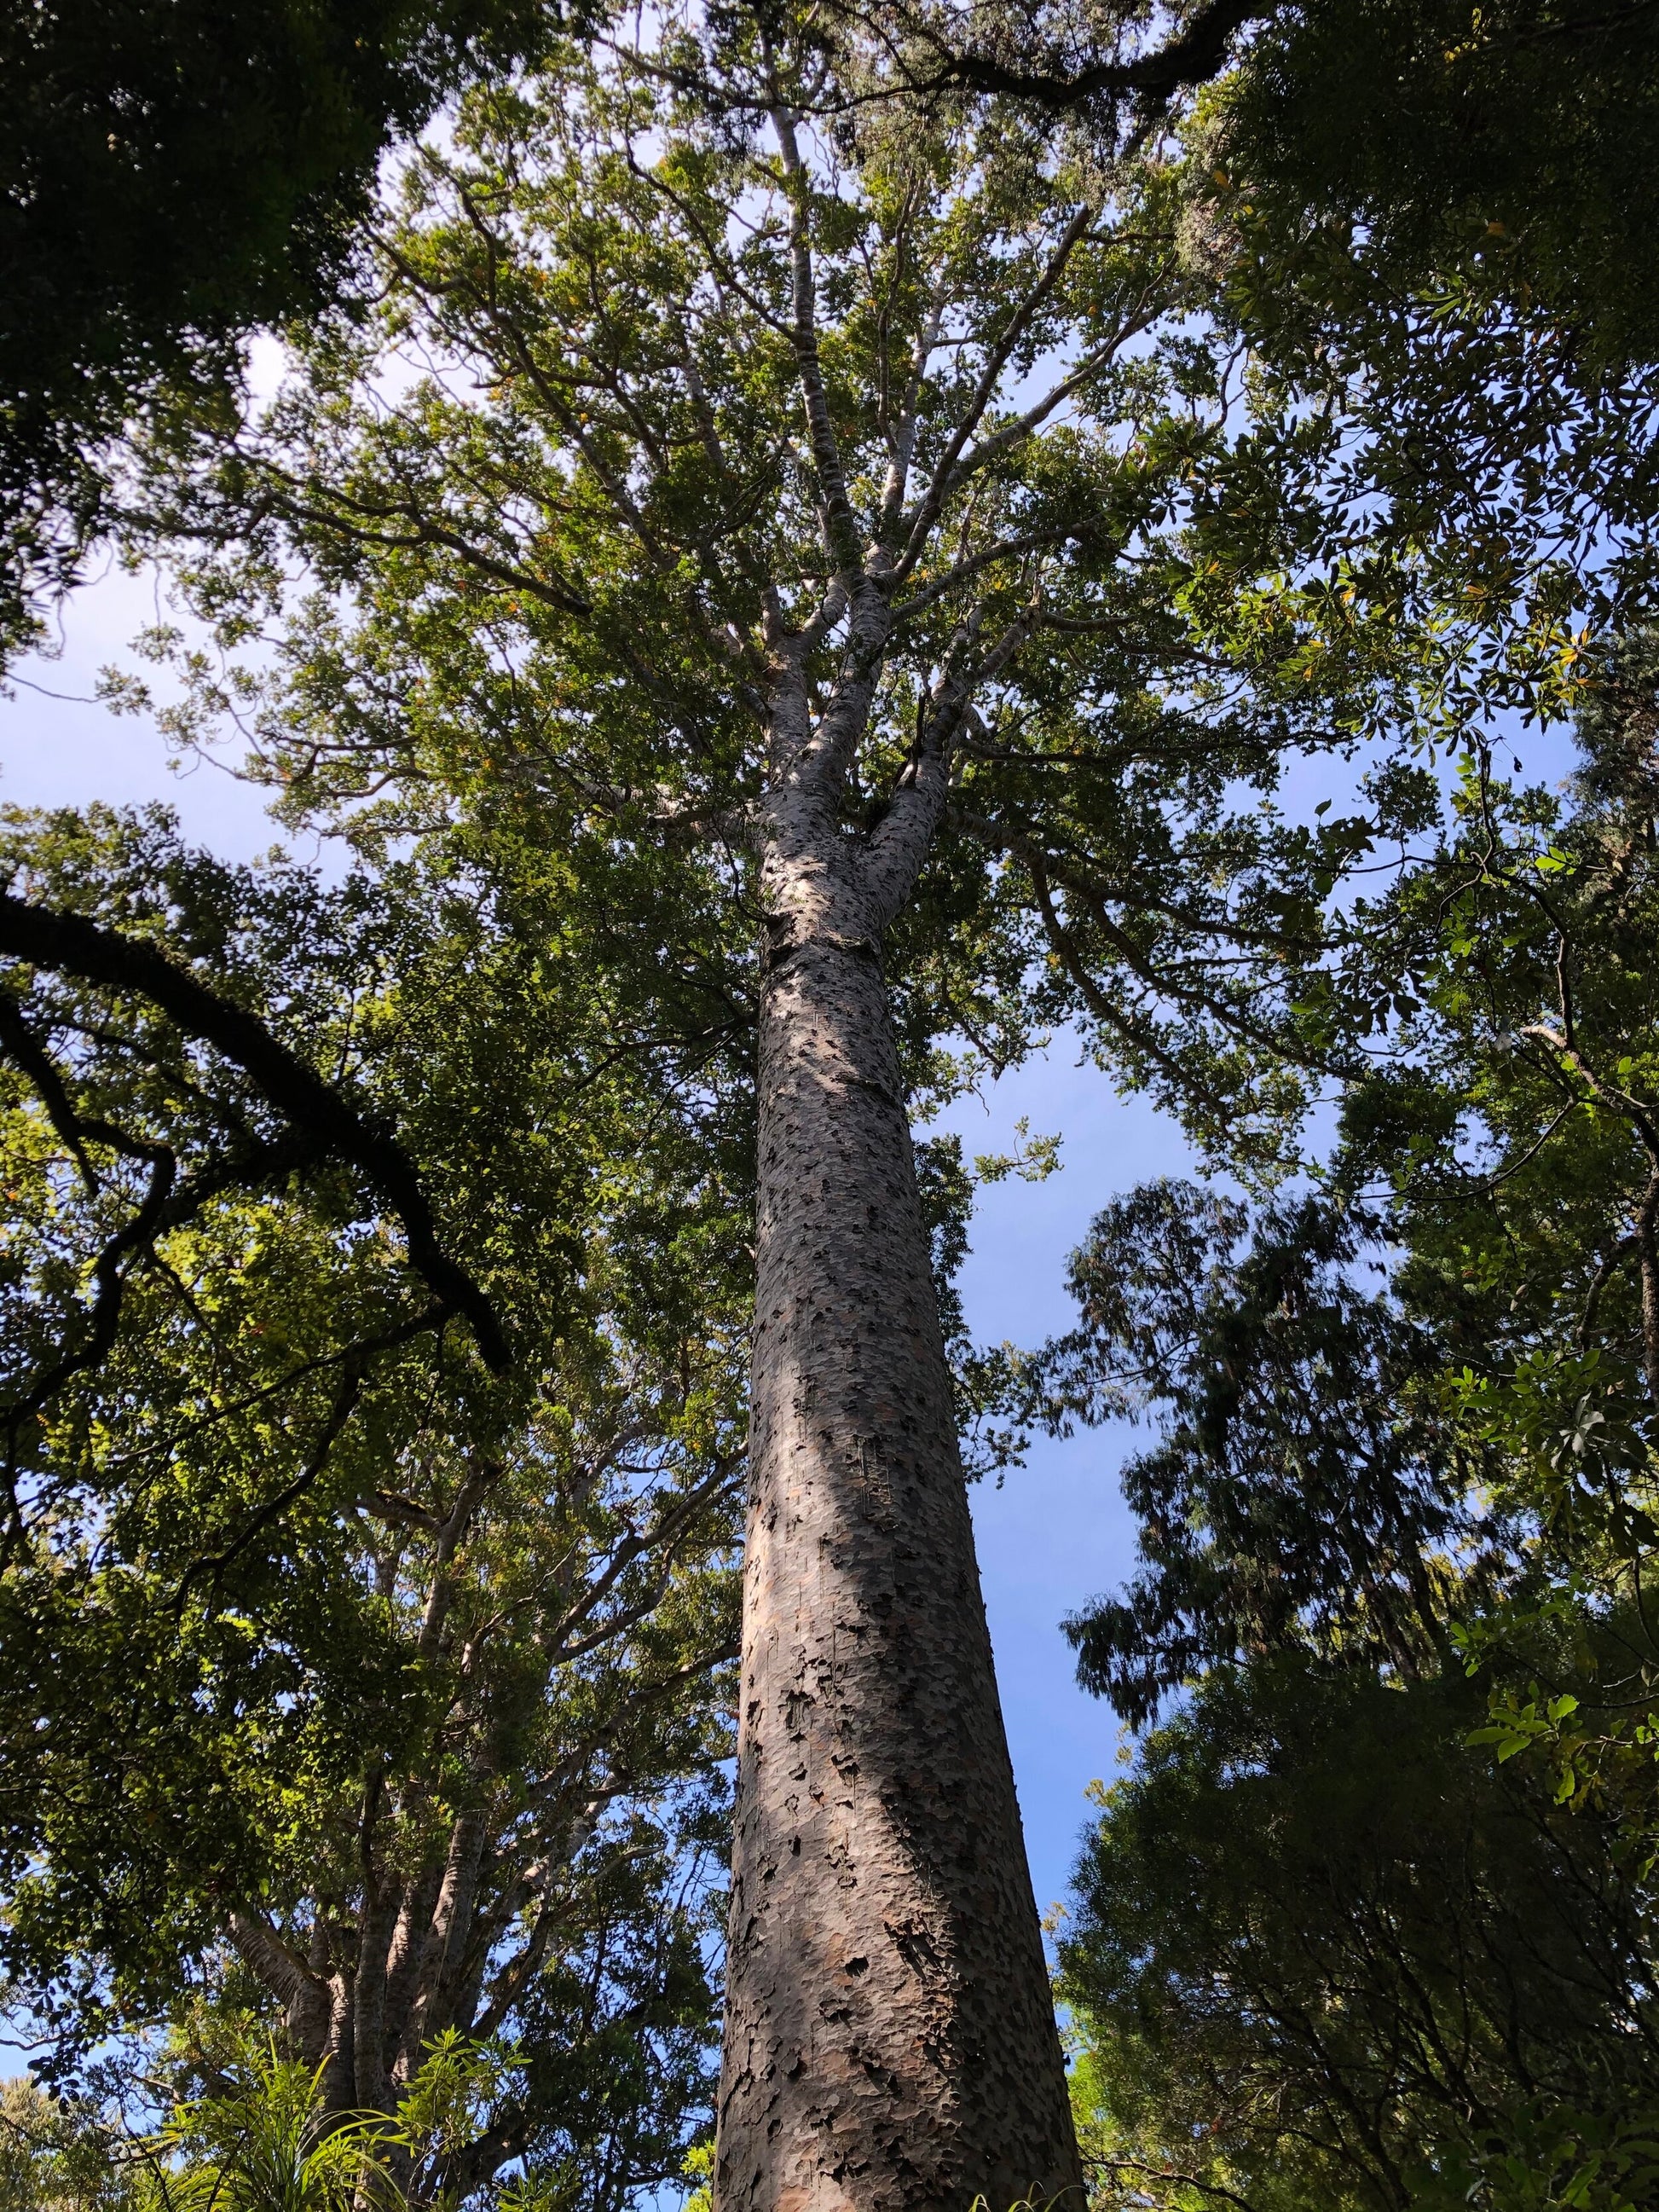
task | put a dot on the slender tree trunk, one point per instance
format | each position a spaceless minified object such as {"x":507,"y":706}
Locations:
{"x":1647,"y":1248}
{"x":890,"y":2035}
{"x":370,"y":2075}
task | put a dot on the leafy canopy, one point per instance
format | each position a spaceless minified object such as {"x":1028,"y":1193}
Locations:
{"x":297,"y":1590}
{"x":173,"y":176}
{"x":653,"y":383}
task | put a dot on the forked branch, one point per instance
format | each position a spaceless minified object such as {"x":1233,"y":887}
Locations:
{"x":71,"y":944}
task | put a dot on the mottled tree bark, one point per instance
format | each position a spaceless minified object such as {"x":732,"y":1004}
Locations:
{"x":889,"y":2035}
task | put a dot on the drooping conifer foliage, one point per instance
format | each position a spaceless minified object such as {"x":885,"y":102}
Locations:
{"x":1423,"y":1855}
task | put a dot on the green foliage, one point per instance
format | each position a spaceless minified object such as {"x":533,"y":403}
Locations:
{"x":173,"y":176}
{"x":1372,"y":1918}
{"x":1299,"y":1496}
{"x":297,"y":1592}
{"x":1182,"y":478}
{"x":57,"y":2157}
{"x":1515,"y":141}
{"x":606,"y":495}
{"x":262,"y":2138}
{"x":1325,"y":1955}
{"x":262,"y":2143}
{"x":1445,"y":495}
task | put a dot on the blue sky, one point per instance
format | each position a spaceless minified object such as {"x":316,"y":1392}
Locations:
{"x":1056,"y":1533}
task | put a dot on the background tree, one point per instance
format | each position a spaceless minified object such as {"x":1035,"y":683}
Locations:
{"x":1324,"y":1947}
{"x":1308,"y":1490}
{"x":349,"y":1680}
{"x":1524,"y":1187}
{"x":1467,"y":1450}
{"x":1326,"y":1954}
{"x":1514,"y":141}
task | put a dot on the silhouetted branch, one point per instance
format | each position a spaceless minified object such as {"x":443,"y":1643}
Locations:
{"x":69,"y":944}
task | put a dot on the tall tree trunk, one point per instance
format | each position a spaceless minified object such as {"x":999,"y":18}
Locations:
{"x":890,"y":2035}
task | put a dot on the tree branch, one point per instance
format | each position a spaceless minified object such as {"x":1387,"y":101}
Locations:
{"x":843,"y":532}
{"x":943,"y":475}
{"x":68,"y":944}
{"x":1094,"y":998}
{"x":899,"y":846}
{"x":1195,"y":56}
